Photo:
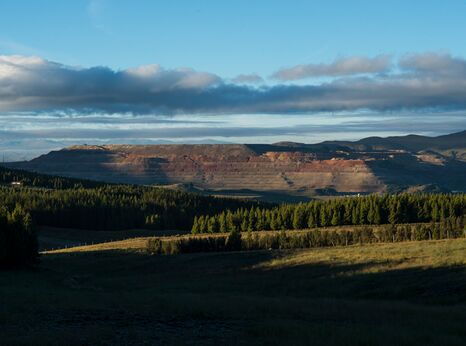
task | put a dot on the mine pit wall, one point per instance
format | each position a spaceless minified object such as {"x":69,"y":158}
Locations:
{"x":231,"y":169}
{"x":343,"y":176}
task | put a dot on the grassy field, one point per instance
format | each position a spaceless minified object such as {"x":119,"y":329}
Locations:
{"x":62,"y":240}
{"x":51,"y":238}
{"x":411,"y":293}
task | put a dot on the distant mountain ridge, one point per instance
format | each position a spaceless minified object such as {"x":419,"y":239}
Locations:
{"x":410,"y":142}
{"x":369,"y":165}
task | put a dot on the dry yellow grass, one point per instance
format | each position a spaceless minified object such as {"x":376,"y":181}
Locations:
{"x":130,"y":244}
{"x":124,"y":245}
{"x":124,"y":241}
{"x":382,"y":256}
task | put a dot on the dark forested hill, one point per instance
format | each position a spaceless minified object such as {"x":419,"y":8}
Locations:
{"x":9,"y":176}
{"x":74,"y":203}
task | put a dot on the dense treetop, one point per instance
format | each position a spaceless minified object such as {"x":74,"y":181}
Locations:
{"x":75,"y":203}
{"x":18,"y":241}
{"x":368,"y":210}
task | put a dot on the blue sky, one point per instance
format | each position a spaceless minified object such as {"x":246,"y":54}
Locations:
{"x":123,"y":71}
{"x":227,"y":37}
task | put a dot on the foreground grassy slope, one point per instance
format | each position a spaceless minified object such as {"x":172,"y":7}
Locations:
{"x":408,"y":293}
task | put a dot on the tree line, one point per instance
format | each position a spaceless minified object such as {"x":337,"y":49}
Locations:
{"x":74,"y":203}
{"x":449,"y":228}
{"x":18,"y":241}
{"x":116,"y":207}
{"x":367,"y":210}
{"x":32,"y":179}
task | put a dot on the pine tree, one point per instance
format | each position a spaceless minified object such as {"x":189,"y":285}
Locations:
{"x":201,"y":222}
{"x":311,"y":221}
{"x":230,"y":222}
{"x":223,"y":228}
{"x":336,"y":216}
{"x":273,"y":221}
{"x":212,"y":225}
{"x":251,"y":220}
{"x":260,"y":224}
{"x":299,"y":217}
{"x":195,"y":229}
{"x":324,"y":220}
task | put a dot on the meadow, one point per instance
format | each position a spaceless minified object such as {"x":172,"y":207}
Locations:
{"x":407,"y":293}
{"x":127,"y":275}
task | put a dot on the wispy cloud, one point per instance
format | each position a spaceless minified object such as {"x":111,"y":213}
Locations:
{"x":248,"y":79}
{"x":434,"y":64}
{"x":340,"y":67}
{"x":96,"y":11}
{"x":8,"y":45}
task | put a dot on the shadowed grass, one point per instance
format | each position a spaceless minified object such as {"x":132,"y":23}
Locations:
{"x":409,"y":293}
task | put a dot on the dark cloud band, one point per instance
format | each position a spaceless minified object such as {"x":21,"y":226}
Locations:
{"x":423,"y":81}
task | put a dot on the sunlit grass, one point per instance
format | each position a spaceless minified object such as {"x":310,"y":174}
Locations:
{"x":383,"y":256}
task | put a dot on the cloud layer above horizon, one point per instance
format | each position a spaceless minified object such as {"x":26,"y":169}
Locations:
{"x":340,"y":67}
{"x":427,"y":81}
{"x":24,"y":136}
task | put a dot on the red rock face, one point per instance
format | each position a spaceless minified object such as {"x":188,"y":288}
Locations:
{"x":216,"y":167}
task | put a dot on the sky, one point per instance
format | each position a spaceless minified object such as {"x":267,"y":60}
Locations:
{"x":121,"y":71}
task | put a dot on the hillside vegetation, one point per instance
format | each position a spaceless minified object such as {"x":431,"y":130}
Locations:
{"x":42,"y":200}
{"x":125,"y":207}
{"x":370,"y":210}
{"x":33,"y":179}
{"x":73,"y":203}
{"x":338,"y":236}
{"x":274,"y":240}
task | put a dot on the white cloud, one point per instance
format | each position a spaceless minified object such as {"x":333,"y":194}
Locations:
{"x":145,"y":71}
{"x":17,"y":65}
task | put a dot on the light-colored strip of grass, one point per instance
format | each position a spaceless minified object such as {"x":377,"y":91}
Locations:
{"x":428,"y":253}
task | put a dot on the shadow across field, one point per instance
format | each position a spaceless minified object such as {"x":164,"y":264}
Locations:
{"x":234,"y":298}
{"x":372,"y":281}
{"x":249,"y":273}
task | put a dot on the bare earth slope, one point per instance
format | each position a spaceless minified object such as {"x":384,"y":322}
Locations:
{"x":218,"y":167}
{"x":292,"y":168}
